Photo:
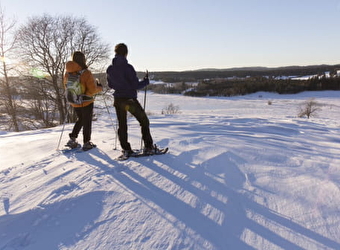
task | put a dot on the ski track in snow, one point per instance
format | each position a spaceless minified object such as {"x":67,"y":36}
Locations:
{"x":240,"y":174}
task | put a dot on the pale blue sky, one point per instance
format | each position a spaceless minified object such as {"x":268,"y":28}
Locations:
{"x":193,"y":34}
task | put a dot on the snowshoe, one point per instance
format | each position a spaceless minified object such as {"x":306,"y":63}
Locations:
{"x":140,"y":153}
{"x":154,"y":150}
{"x":88,"y":145}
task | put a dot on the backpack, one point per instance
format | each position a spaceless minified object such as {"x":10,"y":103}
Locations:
{"x":74,"y":90}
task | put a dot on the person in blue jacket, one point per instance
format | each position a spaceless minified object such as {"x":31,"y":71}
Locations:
{"x":122,"y":77}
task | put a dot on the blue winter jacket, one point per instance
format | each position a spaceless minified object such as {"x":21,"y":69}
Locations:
{"x":122,"y":77}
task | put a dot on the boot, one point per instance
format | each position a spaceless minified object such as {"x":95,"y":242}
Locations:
{"x":88,"y":145}
{"x":72,"y":143}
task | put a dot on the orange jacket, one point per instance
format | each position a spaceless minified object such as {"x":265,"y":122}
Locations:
{"x":86,"y":79}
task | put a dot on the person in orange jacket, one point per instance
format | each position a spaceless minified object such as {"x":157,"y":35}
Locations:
{"x":84,"y":111}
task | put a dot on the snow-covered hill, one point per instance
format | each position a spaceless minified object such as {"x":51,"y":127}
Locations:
{"x":240,"y":174}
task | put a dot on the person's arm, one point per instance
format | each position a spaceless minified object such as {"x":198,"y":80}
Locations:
{"x":91,"y":87}
{"x":108,"y":78}
{"x":133,"y":79}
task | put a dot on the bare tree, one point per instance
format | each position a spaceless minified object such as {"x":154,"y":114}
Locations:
{"x":7,"y":43}
{"x":309,"y":108}
{"x":47,"y":42}
{"x":40,"y":111}
{"x":170,"y":109}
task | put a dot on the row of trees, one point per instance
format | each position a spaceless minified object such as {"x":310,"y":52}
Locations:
{"x":248,"y":85}
{"x":31,"y":82}
{"x":194,"y":75}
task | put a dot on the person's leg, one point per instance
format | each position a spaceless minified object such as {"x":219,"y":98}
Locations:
{"x":79,"y":123}
{"x":138,"y":112}
{"x":121,"y":112}
{"x":87,"y":113}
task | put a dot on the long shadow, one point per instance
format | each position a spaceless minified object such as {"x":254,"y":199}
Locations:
{"x":235,"y":217}
{"x":227,"y":182}
{"x":190,"y":216}
{"x":54,"y":225}
{"x":99,"y":158}
{"x":225,"y":234}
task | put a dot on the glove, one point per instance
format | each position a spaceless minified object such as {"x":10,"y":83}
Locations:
{"x":146,"y":75}
{"x":98,"y":83}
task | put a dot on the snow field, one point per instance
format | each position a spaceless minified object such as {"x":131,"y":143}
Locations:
{"x":240,"y":174}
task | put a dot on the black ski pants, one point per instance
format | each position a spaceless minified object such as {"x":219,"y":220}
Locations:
{"x":84,"y":121}
{"x":132,"y":105}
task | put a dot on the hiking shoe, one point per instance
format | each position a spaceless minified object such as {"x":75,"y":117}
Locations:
{"x":128,"y":152}
{"x":72,"y":143}
{"x":88,"y":145}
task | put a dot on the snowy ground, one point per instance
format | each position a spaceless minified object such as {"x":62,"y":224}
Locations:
{"x":240,"y":174}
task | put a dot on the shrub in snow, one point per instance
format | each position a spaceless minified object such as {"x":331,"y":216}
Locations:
{"x":309,"y":108}
{"x":170,"y":109}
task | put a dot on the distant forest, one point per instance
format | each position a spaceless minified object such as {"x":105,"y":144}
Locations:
{"x":241,"y":81}
{"x":196,"y":75}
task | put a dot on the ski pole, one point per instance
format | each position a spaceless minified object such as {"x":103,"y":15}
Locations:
{"x":114,"y":127}
{"x":145,"y":90}
{"x":62,"y":130}
{"x":141,"y":140}
{"x":146,"y":87}
{"x":145,"y":97}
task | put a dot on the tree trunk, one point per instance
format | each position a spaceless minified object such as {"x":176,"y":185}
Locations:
{"x":10,"y":102}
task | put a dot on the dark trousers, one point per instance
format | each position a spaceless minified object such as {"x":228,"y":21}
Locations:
{"x":123,"y":105}
{"x":84,"y":121}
